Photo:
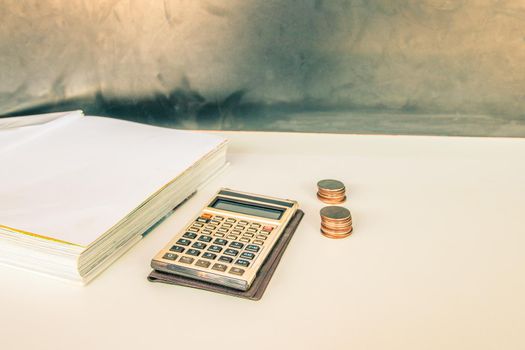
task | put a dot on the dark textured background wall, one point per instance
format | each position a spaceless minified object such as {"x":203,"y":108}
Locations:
{"x":408,"y":66}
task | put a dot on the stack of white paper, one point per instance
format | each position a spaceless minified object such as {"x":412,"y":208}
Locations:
{"x":76,"y":192}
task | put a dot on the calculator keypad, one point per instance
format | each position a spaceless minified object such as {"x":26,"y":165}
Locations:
{"x":234,"y":244}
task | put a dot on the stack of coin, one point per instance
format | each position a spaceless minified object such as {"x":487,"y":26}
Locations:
{"x":336,"y":222}
{"x":331,"y":191}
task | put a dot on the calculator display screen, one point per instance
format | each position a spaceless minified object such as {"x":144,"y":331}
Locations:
{"x":248,"y":209}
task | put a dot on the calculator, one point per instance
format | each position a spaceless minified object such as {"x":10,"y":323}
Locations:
{"x":228,"y":241}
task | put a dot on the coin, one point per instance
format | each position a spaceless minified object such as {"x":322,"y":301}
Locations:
{"x":336,"y":232}
{"x":337,"y":221}
{"x":335,"y":213}
{"x":331,"y":185}
{"x":335,"y":236}
{"x":333,"y":227}
{"x":336,"y":227}
{"x":330,"y":198}
{"x":334,"y":194}
{"x":331,"y":201}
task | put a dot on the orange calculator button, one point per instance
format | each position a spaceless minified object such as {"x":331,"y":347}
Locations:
{"x":206,"y":216}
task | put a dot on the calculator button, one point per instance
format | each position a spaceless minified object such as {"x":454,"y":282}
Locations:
{"x":242,"y":222}
{"x":236,"y":245}
{"x":218,"y":218}
{"x":219,"y":267}
{"x":209,"y":256}
{"x":206,"y":232}
{"x":177,"y":249}
{"x":220,"y":241}
{"x":248,"y":235}
{"x":218,"y":234}
{"x":194,"y":252}
{"x":236,"y":271}
{"x":226,"y":259}
{"x":189,"y":235}
{"x":197,"y":224}
{"x":198,"y":245}
{"x":251,"y":230}
{"x":244,"y":239}
{"x":211,"y":227}
{"x":201,"y":219}
{"x":263,"y":237}
{"x":231,"y":252}
{"x":240,"y":228}
{"x":202,"y":263}
{"x":222,"y":230}
{"x":230,"y":220}
{"x":247,"y":255}
{"x":214,"y":222}
{"x":227,"y":225}
{"x":254,"y":224}
{"x":206,"y":216}
{"x":205,"y":238}
{"x":186,"y":260}
{"x":258,"y":241}
{"x":267,"y":228}
{"x":170,"y":256}
{"x":215,"y":248}
{"x":242,"y":262}
{"x":193,"y":229}
{"x":232,"y":237}
{"x":236,"y":232}
{"x":183,"y":241}
{"x":252,"y":248}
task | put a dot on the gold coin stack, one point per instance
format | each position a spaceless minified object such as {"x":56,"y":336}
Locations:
{"x":336,"y":222}
{"x":331,"y":191}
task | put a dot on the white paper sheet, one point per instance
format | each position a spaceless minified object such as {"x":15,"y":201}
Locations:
{"x":74,"y":181}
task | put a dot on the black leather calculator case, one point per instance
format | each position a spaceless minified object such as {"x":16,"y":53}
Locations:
{"x":260,"y":282}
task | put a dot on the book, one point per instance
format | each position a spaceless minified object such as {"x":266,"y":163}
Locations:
{"x":78,"y":191}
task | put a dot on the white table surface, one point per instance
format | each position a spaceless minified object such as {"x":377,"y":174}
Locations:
{"x":436,"y":260}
